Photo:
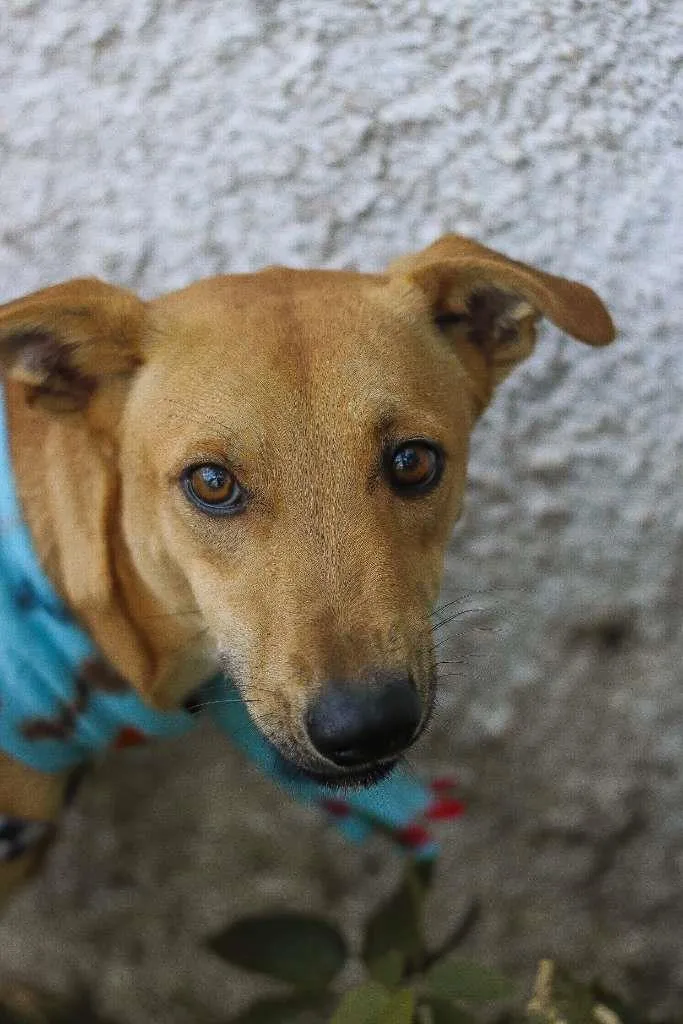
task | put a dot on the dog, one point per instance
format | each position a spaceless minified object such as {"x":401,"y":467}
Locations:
{"x":253,"y":478}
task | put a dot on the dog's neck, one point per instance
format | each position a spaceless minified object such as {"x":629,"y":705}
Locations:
{"x":67,"y":483}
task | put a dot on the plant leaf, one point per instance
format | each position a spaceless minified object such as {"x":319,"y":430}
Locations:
{"x":424,"y":872}
{"x":399,"y":1009}
{"x":362,"y":1005}
{"x":466,"y":982}
{"x":290,"y":1010}
{"x":388,"y":969}
{"x":445,"y":1013}
{"x":305,"y":951}
{"x":397,"y":923}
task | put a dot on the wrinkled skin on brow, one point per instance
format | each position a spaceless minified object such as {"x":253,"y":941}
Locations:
{"x":300,"y":381}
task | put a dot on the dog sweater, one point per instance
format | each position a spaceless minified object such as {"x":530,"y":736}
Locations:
{"x":61,"y":704}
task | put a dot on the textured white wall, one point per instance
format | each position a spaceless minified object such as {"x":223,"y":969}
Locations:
{"x":156,"y":142}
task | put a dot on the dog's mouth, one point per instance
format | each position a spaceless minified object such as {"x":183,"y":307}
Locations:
{"x":296,"y":765}
{"x":298,"y":760}
{"x":349,"y":778}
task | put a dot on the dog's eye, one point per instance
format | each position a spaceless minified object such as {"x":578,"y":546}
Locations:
{"x":214,"y":489}
{"x":414,"y":467}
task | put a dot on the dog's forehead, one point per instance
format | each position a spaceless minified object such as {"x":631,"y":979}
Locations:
{"x":274,"y":310}
{"x":281,"y":367}
{"x":293,"y":329}
{"x":273,"y":283}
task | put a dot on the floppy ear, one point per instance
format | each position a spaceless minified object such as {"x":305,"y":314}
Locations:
{"x":487,"y":306}
{"x":63,"y":341}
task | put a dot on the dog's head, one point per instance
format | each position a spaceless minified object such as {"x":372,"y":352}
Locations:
{"x":291,"y":448}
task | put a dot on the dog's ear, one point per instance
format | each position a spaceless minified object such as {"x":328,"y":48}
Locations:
{"x":487,"y":306}
{"x":63,"y":341}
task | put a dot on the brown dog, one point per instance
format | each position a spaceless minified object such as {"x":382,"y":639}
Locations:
{"x":261,"y":472}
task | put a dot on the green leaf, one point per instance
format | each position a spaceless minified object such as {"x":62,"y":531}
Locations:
{"x":424,"y":871}
{"x":399,"y":1009}
{"x":445,"y":1013}
{"x":362,"y":1005}
{"x":466,"y":982}
{"x":396,"y":924}
{"x":283,"y":1011}
{"x":388,"y":969}
{"x":305,"y":951}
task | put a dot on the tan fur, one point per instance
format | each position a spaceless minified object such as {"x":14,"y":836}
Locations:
{"x":297,"y":377}
{"x":28,"y":794}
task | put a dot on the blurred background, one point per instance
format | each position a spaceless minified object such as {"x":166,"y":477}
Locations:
{"x":157,"y":142}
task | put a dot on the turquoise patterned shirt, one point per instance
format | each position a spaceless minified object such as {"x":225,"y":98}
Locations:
{"x":61,"y":703}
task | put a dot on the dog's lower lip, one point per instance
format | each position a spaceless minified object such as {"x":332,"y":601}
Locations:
{"x":355,"y":778}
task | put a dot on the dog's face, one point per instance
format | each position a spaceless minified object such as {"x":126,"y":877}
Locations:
{"x":292,"y":456}
{"x":300,"y":473}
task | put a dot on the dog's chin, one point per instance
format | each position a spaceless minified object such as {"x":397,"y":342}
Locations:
{"x":352,"y":778}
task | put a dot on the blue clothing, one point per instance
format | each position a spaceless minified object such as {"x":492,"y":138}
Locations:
{"x":61,"y":703}
{"x":53,"y":716}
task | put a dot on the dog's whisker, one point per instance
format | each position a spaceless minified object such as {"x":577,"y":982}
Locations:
{"x":481,"y":627}
{"x":470,"y":656}
{"x":461,"y":611}
{"x":440,"y":643}
{"x":220,"y":683}
{"x":456,"y":615}
{"x":449,"y":604}
{"x":227,"y":700}
{"x":262,"y":695}
{"x":470,"y":596}
{"x":447,"y":639}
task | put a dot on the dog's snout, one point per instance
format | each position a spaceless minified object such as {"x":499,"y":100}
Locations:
{"x":354,"y":724}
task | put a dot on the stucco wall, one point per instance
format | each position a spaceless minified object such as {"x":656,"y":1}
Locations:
{"x":156,"y":142}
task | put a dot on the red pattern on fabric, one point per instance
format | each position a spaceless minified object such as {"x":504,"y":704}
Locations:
{"x":443,"y":785}
{"x":338,"y":808}
{"x":445,"y":810}
{"x":129,"y":736}
{"x":413,"y":836}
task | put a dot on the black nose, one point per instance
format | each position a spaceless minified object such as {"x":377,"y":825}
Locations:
{"x":355,"y":724}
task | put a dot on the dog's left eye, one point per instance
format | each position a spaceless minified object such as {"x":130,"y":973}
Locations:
{"x":213,"y":489}
{"x":414,"y":467}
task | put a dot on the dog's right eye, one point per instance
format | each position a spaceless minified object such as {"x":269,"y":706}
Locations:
{"x":214,"y":489}
{"x":414,"y":467}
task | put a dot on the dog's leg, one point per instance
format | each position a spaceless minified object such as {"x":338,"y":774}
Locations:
{"x":30,"y":805}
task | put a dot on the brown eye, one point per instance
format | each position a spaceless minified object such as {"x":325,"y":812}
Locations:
{"x":214,"y":489}
{"x":414,"y":467}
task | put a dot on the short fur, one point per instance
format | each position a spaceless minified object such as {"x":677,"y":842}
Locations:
{"x":298,"y":378}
